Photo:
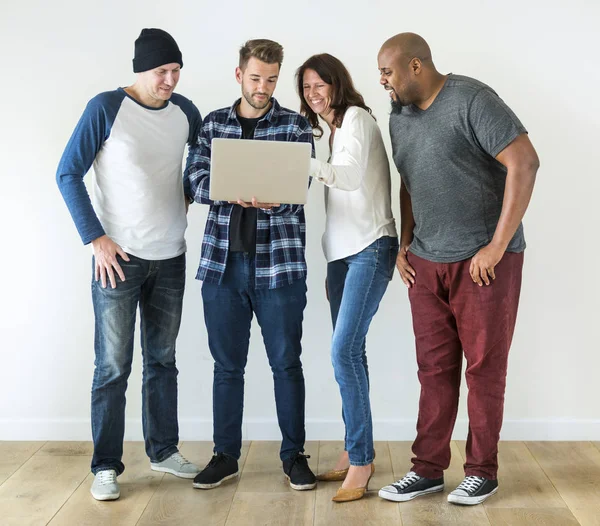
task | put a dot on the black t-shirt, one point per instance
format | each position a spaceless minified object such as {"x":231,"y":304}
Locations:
{"x":242,"y":224}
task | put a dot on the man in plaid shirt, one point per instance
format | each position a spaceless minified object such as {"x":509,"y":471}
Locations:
{"x":253,"y":262}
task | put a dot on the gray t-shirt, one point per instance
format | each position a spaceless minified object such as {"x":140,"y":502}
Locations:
{"x":446,"y":158}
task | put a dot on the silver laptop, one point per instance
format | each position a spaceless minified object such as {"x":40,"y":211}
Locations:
{"x":271,"y":171}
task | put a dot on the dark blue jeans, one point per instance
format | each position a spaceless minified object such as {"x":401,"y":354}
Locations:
{"x":356,"y":285}
{"x":157,"y":287}
{"x":228,"y":311}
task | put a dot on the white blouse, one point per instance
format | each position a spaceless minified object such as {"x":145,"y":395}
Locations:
{"x":358,"y":187}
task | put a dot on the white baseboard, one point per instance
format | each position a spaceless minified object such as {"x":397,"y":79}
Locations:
{"x":267,"y":429}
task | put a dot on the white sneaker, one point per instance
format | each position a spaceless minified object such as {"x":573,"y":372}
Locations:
{"x":105,"y":486}
{"x":176,"y":465}
{"x":411,"y":486}
{"x":473,"y":490}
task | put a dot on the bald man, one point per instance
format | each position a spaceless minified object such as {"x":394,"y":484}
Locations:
{"x":467,"y":172}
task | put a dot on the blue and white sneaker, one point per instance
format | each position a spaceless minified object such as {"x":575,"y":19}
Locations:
{"x":473,"y":490}
{"x":411,"y":486}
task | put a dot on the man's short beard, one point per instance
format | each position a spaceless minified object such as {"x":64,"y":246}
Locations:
{"x":250,"y":101}
{"x":396,"y":107}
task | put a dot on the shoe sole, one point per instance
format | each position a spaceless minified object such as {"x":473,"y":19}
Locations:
{"x":216,"y":484}
{"x":470,"y":501}
{"x":173,"y":472}
{"x":301,"y":487}
{"x":403,"y":497}
{"x":111,"y":496}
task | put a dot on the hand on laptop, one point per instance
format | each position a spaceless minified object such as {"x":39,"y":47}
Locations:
{"x":254,"y":203}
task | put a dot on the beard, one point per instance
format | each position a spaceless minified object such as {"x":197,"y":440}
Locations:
{"x":396,"y":103}
{"x":254,"y":103}
{"x":396,"y":107}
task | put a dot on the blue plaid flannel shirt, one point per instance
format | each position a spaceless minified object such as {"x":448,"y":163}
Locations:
{"x":280,"y":232}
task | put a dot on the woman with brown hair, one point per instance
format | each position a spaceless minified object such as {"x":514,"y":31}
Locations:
{"x":360,"y":244}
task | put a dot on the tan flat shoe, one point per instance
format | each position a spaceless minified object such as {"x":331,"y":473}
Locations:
{"x":350,"y":494}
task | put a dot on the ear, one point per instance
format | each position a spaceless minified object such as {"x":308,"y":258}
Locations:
{"x":416,"y":66}
{"x":239,"y":74}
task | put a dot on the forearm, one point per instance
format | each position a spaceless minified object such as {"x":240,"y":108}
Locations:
{"x":80,"y":206}
{"x":343,"y":177}
{"x":196,"y":177}
{"x":197,"y":185}
{"x":407,"y":220}
{"x":517,"y":194}
{"x":201,"y":191}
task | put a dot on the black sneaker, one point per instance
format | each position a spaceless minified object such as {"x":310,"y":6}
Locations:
{"x":221,"y":467}
{"x":411,"y":486}
{"x":473,"y":490}
{"x":298,"y":473}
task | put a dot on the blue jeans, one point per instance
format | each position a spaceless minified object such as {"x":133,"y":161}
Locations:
{"x":356,"y":285}
{"x":157,"y":286}
{"x":228,"y":311}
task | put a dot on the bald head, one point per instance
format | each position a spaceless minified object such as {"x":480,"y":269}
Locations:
{"x":409,"y":45}
{"x":407,"y":70}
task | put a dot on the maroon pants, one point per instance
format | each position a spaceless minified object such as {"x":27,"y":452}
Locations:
{"x":451,"y":316}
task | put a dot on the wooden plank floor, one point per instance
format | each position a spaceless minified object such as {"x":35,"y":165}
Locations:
{"x":541,"y":483}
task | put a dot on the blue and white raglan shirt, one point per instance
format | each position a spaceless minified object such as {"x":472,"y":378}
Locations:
{"x":137,"y":154}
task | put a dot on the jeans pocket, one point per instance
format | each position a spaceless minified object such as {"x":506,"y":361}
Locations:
{"x":387,"y":261}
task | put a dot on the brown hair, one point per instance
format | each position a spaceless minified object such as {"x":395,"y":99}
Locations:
{"x":344,"y":94}
{"x":262,"y":49}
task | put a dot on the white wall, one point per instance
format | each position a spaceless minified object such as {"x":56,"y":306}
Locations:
{"x":539,"y":58}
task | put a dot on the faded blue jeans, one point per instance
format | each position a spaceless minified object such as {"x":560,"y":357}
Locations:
{"x":356,"y":285}
{"x":157,"y":287}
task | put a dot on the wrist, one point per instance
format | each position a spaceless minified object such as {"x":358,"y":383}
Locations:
{"x":98,"y":240}
{"x":405,"y":243}
{"x":500,"y":246}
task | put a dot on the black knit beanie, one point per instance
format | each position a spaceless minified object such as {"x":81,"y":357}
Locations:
{"x":154,"y":48}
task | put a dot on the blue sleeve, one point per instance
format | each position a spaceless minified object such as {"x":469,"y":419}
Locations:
{"x":89,"y":135}
{"x":303,"y":134}
{"x":195,"y":123}
{"x":197,"y":169}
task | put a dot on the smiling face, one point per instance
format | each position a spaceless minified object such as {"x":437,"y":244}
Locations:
{"x":396,"y":75}
{"x":157,"y":85}
{"x":258,"y":80}
{"x":316,"y":92}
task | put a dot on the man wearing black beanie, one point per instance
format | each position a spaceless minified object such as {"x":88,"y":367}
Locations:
{"x":135,"y":138}
{"x":157,"y":62}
